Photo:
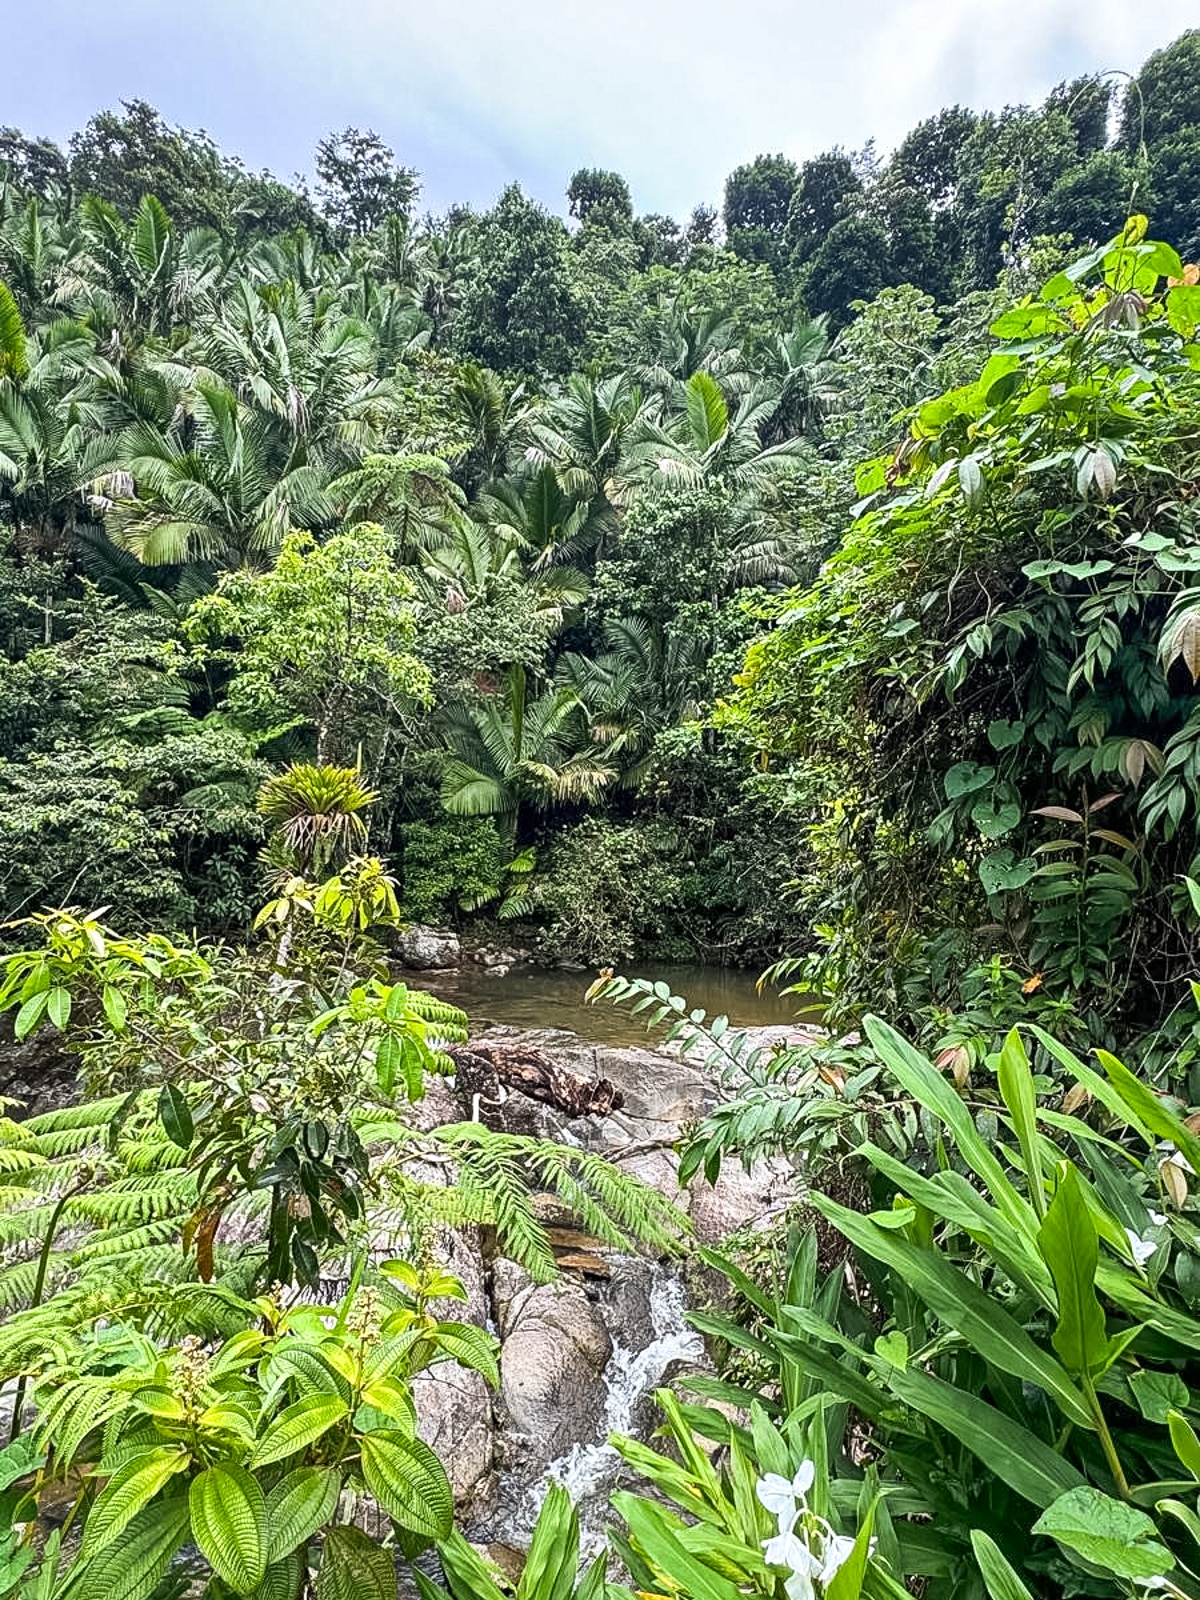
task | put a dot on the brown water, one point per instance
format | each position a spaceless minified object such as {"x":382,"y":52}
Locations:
{"x":540,"y":997}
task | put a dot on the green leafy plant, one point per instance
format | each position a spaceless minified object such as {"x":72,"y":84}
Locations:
{"x":251,"y":1448}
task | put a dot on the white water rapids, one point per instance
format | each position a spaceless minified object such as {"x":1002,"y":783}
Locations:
{"x":590,"y":1471}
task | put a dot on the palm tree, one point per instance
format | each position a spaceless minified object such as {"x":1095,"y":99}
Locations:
{"x":492,"y":416}
{"x":535,"y":515}
{"x":691,"y":341}
{"x":799,"y":364}
{"x":580,"y":433}
{"x":646,"y":679}
{"x":413,"y":496}
{"x":51,"y":427}
{"x":704,"y":442}
{"x":478,"y":557}
{"x":290,"y":355}
{"x":508,"y":751}
{"x":209,"y":487}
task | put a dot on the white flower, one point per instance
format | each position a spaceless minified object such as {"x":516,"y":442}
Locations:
{"x":787,"y":1549}
{"x":1142,"y":1249}
{"x":1157,"y":1218}
{"x":837,"y":1550}
{"x":799,"y":1586}
{"x":781,"y":1497}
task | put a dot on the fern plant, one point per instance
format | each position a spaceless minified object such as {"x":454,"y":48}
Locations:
{"x":779,"y":1098}
{"x":494,"y":1179}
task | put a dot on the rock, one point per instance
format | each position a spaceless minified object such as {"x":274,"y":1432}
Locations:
{"x":555,"y":1348}
{"x":654,"y":1086}
{"x":428,"y":948}
{"x":454,"y":1418}
{"x":500,"y":971}
{"x":741,"y":1199}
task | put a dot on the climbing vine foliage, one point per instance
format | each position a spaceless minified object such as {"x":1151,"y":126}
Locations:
{"x":989,"y":693}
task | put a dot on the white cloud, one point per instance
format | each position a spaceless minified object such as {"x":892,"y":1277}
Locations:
{"x":672,"y":94}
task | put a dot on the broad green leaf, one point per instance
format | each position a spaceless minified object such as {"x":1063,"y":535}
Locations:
{"x":133,"y":1566}
{"x":949,"y":1196}
{"x":387,"y":1062}
{"x":409,"y":1482}
{"x":1149,"y":1109}
{"x":1001,"y":1582}
{"x":281,"y":1581}
{"x":1106,"y":1532}
{"x":1015,"y":1081}
{"x":176,"y":1116}
{"x":1157,"y":1393}
{"x":58,"y":1006}
{"x":963,"y":1306}
{"x":1187,"y":1445}
{"x":662,"y":1547}
{"x":298,"y":1363}
{"x":1019,"y":1458}
{"x":229,"y":1524}
{"x":469,"y":1346}
{"x":354,"y":1567}
{"x":1068,"y":1241}
{"x":297,"y":1506}
{"x":297,"y":1426}
{"x":468,"y":1573}
{"x":1181,"y":1513}
{"x":30,"y":1014}
{"x":114,"y":1008}
{"x":553,"y":1559}
{"x":847,"y":1581}
{"x":929,"y":1088}
{"x":129,"y":1489}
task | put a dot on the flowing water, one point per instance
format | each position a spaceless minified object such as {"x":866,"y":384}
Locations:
{"x":590,"y":1471}
{"x":543,"y":997}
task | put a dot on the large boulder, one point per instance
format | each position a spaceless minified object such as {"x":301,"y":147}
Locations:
{"x":741,"y":1199}
{"x":553,"y":1353}
{"x":427,"y":949}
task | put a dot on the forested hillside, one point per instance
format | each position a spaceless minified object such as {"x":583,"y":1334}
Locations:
{"x":493,"y":506}
{"x":815,"y":584}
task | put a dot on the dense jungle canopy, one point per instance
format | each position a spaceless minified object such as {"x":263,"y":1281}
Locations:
{"x":815,"y":582}
{"x":758,"y":586}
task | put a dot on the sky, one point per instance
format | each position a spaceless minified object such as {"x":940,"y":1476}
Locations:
{"x":475,"y":93}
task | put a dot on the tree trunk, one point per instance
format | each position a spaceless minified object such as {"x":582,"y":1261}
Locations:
{"x":482,"y":1068}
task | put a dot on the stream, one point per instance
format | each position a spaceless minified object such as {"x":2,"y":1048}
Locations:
{"x":639,"y":1304}
{"x":543,"y":997}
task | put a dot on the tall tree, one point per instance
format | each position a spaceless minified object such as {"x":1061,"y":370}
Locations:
{"x":520,"y":312}
{"x":758,"y":197}
{"x":122,"y":157}
{"x":1163,"y":100}
{"x":36,"y":166}
{"x":828,"y":190}
{"x":595,"y":195}
{"x":360,"y":183}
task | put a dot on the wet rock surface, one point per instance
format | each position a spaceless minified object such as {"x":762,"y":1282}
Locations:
{"x":581,"y":1357}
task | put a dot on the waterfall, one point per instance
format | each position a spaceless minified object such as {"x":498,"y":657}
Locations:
{"x":590,"y":1471}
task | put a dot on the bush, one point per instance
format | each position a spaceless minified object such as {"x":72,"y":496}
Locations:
{"x":449,"y":867}
{"x":614,"y":891}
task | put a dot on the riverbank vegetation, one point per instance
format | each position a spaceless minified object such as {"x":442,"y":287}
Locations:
{"x":811,"y":584}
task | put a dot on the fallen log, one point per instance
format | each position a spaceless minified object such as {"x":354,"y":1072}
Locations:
{"x":480,"y":1067}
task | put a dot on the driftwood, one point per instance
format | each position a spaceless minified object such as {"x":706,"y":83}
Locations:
{"x":480,"y":1067}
